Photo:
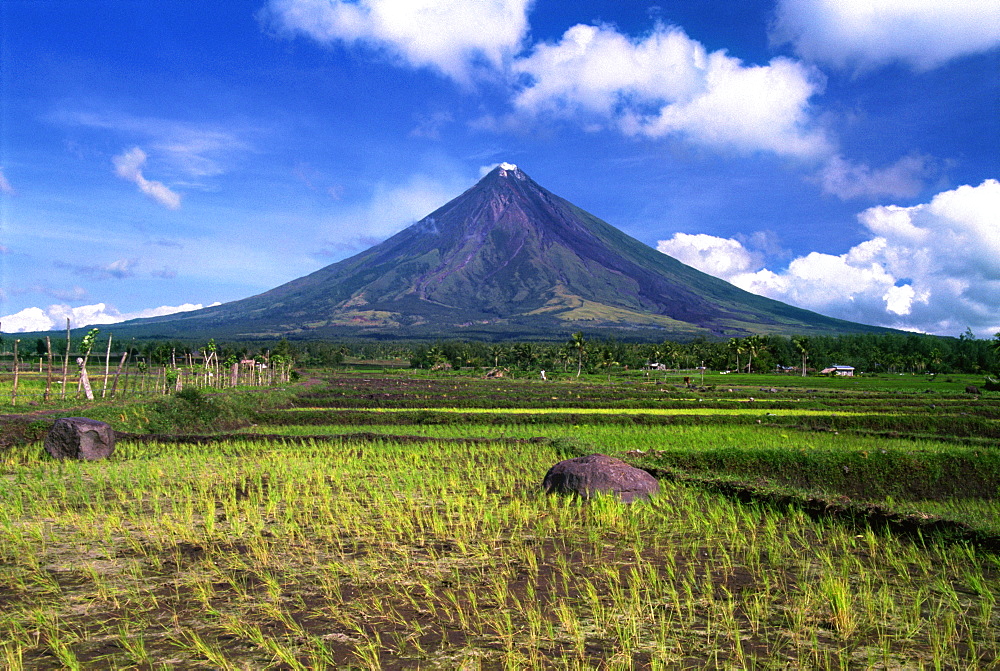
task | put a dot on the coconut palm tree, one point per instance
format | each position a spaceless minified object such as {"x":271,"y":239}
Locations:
{"x":737,"y":347}
{"x":579,"y":345}
{"x":497,"y":352}
{"x":755,"y":345}
{"x":607,"y":361}
{"x":802,"y":344}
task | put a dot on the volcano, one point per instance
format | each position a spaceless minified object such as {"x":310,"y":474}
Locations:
{"x":506,"y":259}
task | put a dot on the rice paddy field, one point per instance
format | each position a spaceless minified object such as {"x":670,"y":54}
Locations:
{"x":394,"y":520}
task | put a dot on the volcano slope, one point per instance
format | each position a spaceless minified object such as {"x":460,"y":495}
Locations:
{"x":506,"y":259}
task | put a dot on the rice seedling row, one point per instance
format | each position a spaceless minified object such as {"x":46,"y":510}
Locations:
{"x":444,"y":555}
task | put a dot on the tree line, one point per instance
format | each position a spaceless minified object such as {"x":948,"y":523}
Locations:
{"x":868,"y":353}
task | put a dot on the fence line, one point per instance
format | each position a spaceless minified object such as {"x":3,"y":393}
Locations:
{"x":31,"y":382}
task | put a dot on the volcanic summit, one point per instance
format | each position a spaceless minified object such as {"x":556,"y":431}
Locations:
{"x":506,"y":259}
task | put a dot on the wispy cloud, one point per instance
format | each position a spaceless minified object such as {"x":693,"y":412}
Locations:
{"x":847,"y":180}
{"x":119,"y":269}
{"x":128,"y":166}
{"x":391,"y":208}
{"x":192,"y":149}
{"x":165,"y":273}
{"x":429,"y":125}
{"x":5,"y":186}
{"x":75,"y":293}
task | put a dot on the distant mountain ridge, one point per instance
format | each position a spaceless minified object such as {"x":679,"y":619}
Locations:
{"x":507,"y":258}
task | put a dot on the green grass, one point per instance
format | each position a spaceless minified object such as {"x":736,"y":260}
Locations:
{"x":608,"y":411}
{"x":368,"y":552}
{"x":864,"y":469}
{"x":443,"y":555}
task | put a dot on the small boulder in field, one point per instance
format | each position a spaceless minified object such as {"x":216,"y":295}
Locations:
{"x":80,"y":438}
{"x":599,"y":473}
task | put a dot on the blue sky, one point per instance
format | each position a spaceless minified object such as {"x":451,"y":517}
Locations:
{"x":841,"y":156}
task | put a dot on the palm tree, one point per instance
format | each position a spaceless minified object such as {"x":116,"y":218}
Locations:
{"x":803,"y":345}
{"x":498,"y":352}
{"x":755,"y":346}
{"x":737,"y":347}
{"x":671,"y":351}
{"x":655,"y":354}
{"x":580,"y":346}
{"x":565,"y":354}
{"x":525,"y":355}
{"x":607,"y":361}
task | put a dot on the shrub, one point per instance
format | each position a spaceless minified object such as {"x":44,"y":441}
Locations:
{"x":188,"y":410}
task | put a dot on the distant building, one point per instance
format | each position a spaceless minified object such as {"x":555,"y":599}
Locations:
{"x":847,"y":371}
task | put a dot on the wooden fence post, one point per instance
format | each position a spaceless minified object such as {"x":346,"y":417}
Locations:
{"x":65,"y":379}
{"x":13,"y":391}
{"x":107,"y":362}
{"x":84,"y":380}
{"x":48,"y":377}
{"x":114,"y":385}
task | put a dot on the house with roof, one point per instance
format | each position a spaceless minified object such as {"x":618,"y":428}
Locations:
{"x":847,"y":371}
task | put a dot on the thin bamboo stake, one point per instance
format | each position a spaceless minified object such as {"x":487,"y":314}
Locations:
{"x":114,"y":385}
{"x":48,"y":377}
{"x":13,"y":391}
{"x":107,"y":362}
{"x":65,"y":379}
{"x":128,"y":364}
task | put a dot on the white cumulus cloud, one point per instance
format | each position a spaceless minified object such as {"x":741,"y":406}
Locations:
{"x":921,"y":33}
{"x":933,"y":267}
{"x":128,"y":166}
{"x":661,"y":85}
{"x":722,"y":257}
{"x":54,"y":317}
{"x":28,"y":319}
{"x":669,"y":84}
{"x":448,"y":36}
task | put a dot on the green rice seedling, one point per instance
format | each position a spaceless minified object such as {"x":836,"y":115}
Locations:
{"x":193,"y":642}
{"x":837,"y":592}
{"x":133,"y":641}
{"x":389,"y":536}
{"x":368,"y":653}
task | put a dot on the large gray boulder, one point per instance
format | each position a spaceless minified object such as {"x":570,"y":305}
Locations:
{"x":80,"y":438}
{"x":599,"y":473}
